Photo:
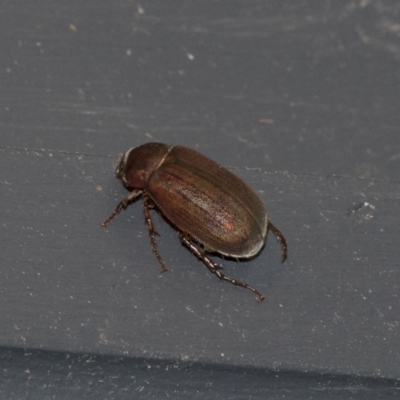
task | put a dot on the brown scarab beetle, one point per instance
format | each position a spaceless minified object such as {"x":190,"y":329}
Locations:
{"x":212,"y":209}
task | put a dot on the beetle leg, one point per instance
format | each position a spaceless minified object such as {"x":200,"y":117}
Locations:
{"x":130,"y":198}
{"x":147,"y":204}
{"x":214,"y":268}
{"x":281,"y":239}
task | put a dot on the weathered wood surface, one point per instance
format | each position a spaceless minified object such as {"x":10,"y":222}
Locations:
{"x":300,"y":101}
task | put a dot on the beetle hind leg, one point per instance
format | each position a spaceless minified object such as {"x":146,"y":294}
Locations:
{"x":281,"y":239}
{"x":215,"y":268}
{"x":147,"y":204}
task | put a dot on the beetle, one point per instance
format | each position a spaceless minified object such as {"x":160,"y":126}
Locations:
{"x":212,"y":209}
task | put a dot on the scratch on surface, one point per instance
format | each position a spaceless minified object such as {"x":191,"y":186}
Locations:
{"x":250,"y":26}
{"x":66,"y":107}
{"x":325,"y":218}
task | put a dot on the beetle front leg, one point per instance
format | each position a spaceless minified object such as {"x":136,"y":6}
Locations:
{"x":130,"y":198}
{"x":147,"y":204}
{"x":214,"y":268}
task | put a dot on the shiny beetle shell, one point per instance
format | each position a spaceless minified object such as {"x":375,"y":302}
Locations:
{"x":198,"y":196}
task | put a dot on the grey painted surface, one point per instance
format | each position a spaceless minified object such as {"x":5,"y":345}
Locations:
{"x":300,"y":101}
{"x":94,"y":377}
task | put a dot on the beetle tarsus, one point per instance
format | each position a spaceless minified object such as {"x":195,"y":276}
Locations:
{"x":115,"y":212}
{"x":281,"y":239}
{"x":214,"y":268}
{"x":125,"y":202}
